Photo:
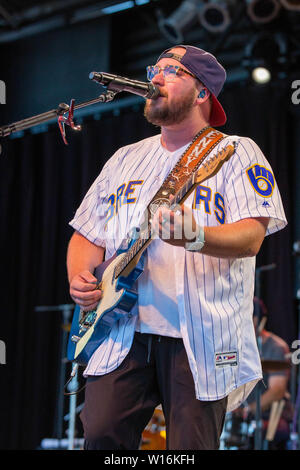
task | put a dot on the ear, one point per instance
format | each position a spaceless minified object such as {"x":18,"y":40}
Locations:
{"x":203,"y":95}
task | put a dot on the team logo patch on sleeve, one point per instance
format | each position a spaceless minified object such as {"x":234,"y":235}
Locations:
{"x":226,"y":359}
{"x":261,"y":179}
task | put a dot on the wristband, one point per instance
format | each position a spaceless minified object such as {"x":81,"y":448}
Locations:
{"x":198,"y":243}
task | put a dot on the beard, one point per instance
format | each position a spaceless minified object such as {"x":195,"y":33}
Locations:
{"x":165,"y":114}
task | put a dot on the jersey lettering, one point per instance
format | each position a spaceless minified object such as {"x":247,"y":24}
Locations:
{"x":220,"y":208}
{"x":202,"y":194}
{"x":130,"y":190}
{"x":120,"y":191}
{"x":111,"y":207}
{"x":203,"y":198}
{"x":122,"y":196}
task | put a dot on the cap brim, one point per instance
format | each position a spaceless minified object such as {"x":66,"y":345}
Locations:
{"x":217,"y":115}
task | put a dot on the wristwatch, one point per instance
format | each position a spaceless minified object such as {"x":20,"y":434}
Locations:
{"x":198,"y":243}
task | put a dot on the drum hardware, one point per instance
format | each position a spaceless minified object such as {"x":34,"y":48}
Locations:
{"x":270,"y":365}
{"x":276,"y":410}
{"x":257,"y":310}
{"x":236,"y":434}
{"x":295,"y":431}
{"x":59,"y":442}
{"x":154,"y":435}
{"x":245,"y":433}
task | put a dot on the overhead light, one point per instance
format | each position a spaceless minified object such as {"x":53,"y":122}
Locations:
{"x":293,"y":5}
{"x":265,"y":57}
{"x":261,"y":75}
{"x":214,"y":16}
{"x":173,"y":26}
{"x":263,"y":11}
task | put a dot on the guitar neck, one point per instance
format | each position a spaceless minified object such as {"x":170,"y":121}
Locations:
{"x":133,"y":255}
{"x":207,"y":170}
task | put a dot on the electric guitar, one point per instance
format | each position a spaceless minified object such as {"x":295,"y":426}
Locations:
{"x":118,"y":275}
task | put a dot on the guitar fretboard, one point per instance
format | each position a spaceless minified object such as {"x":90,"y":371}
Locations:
{"x":208,"y":169}
{"x":145,"y":236}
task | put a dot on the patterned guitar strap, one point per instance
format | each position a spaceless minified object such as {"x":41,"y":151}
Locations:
{"x":195,"y":154}
{"x":202,"y":144}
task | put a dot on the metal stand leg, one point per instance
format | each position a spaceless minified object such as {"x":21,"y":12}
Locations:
{"x":295,"y":431}
{"x":258,"y":421}
{"x":67,"y":311}
{"x":73,"y":386}
{"x":258,"y":427}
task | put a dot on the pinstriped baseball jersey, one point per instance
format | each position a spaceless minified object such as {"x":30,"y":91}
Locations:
{"x":214,"y":296}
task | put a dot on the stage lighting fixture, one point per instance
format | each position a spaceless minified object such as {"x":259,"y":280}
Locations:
{"x":265,"y":57}
{"x":215,"y":16}
{"x":261,"y":75}
{"x":173,"y":26}
{"x":293,"y":5}
{"x":263,"y":11}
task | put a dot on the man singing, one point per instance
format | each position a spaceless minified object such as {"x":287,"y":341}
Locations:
{"x":189,"y":342}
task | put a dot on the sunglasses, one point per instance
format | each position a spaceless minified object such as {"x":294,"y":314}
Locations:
{"x":169,"y":72}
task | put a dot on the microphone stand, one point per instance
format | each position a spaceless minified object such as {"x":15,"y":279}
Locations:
{"x":113,"y":84}
{"x":295,"y":381}
{"x":62,"y":109}
{"x":295,"y":427}
{"x":66,"y":310}
{"x":258,"y":414}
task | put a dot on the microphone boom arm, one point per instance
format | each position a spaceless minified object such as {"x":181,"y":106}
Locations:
{"x":113,"y":84}
{"x":62,"y":109}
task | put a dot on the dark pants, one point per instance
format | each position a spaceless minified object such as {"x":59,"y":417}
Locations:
{"x":119,"y":405}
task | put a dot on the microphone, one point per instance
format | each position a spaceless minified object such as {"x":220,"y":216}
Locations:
{"x":117,"y":83}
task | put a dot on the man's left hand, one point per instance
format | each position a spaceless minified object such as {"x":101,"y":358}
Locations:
{"x":175,"y":225}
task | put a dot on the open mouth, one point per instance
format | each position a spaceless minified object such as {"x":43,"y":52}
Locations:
{"x":161,"y":95}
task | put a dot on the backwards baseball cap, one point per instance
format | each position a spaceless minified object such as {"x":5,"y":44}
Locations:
{"x":208,"y":70}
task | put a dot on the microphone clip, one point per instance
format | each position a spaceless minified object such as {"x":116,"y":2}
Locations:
{"x":107,"y":96}
{"x":63,"y":120}
{"x":59,"y":114}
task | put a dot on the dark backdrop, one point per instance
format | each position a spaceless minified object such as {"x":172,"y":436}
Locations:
{"x":42,"y":181}
{"x":44,"y":70}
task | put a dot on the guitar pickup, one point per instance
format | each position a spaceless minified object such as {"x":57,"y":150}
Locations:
{"x":87,"y":318}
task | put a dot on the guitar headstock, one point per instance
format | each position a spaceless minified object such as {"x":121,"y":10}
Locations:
{"x":211,"y":166}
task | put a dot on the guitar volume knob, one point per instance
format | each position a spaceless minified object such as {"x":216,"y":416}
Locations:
{"x":75,"y":338}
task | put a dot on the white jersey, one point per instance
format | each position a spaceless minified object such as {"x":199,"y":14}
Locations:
{"x":214,"y":296}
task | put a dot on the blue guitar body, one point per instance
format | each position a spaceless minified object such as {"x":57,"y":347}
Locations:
{"x":89,"y":329}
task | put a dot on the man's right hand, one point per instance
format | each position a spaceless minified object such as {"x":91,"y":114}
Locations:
{"x":84,"y":291}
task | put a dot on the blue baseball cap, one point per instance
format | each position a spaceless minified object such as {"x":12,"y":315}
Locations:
{"x":208,"y":70}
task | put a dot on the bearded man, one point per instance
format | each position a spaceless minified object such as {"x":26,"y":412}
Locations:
{"x":188,"y":342}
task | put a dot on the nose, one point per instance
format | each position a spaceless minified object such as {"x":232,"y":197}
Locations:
{"x":158,"y":79}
